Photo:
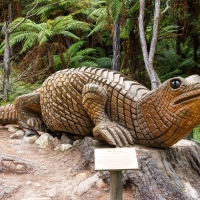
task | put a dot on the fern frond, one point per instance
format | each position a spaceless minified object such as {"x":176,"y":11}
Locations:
{"x":86,"y":64}
{"x":98,"y":28}
{"x":101,"y":51}
{"x":29,"y":43}
{"x":115,"y":7}
{"x":69,"y":34}
{"x":75,"y":47}
{"x":77,"y":25}
{"x":171,"y":74}
{"x":18,"y":37}
{"x":104,"y":62}
{"x":60,"y":22}
{"x":76,"y":59}
{"x":188,"y":63}
{"x":86,"y":52}
{"x":98,"y":15}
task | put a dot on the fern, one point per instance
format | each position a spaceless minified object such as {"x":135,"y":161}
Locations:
{"x":28,"y":43}
{"x":68,"y":23}
{"x":115,"y":7}
{"x":86,"y":52}
{"x":100,"y":26}
{"x":98,"y":15}
{"x":75,"y":47}
{"x":104,"y":62}
{"x":87,"y":64}
{"x":167,"y":31}
{"x":170,"y":63}
{"x":18,"y":37}
{"x":101,"y":51}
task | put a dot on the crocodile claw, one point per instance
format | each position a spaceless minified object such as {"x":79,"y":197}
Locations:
{"x":113,"y":133}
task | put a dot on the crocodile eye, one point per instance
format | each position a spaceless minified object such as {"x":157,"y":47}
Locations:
{"x":175,"y":83}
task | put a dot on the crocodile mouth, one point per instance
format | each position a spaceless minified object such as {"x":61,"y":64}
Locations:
{"x":188,"y":96}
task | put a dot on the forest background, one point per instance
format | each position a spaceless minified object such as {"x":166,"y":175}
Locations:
{"x":50,"y":35}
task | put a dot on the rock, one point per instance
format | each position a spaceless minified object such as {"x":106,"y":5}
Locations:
{"x":65,"y":139}
{"x":29,"y":133}
{"x":13,"y":164}
{"x":6,"y":191}
{"x":58,"y":147}
{"x":101,"y":184}
{"x":38,"y":141}
{"x":19,"y":134}
{"x":63,"y":147}
{"x":13,"y":129}
{"x":20,"y":167}
{"x":31,"y":139}
{"x":81,"y":176}
{"x":85,"y":185}
{"x":44,"y":141}
{"x":55,"y":142}
{"x":28,"y":183}
{"x":76,"y":142}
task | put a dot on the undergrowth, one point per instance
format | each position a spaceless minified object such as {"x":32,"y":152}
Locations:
{"x":16,"y":88}
{"x":196,"y":133}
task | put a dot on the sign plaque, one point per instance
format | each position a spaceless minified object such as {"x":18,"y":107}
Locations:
{"x":109,"y":159}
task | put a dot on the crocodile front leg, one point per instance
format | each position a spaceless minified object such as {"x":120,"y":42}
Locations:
{"x":29,"y":112}
{"x":94,"y":100}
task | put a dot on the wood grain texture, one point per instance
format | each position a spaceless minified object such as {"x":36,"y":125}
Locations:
{"x":111,"y":107}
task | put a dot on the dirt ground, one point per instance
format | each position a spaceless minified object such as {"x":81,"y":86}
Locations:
{"x":47,"y":174}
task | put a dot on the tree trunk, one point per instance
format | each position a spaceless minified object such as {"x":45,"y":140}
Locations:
{"x":116,"y":45}
{"x":164,"y":174}
{"x":149,"y":57}
{"x":6,"y":61}
{"x":172,"y":173}
{"x":10,"y":19}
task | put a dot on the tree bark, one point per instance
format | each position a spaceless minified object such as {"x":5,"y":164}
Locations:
{"x":164,"y":174}
{"x":6,"y":61}
{"x":116,"y":45}
{"x":10,"y":19}
{"x":172,"y":173}
{"x":149,"y":57}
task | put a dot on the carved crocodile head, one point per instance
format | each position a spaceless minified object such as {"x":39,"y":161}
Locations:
{"x":169,"y":113}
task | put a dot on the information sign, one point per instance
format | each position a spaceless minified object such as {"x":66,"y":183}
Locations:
{"x":108,"y":159}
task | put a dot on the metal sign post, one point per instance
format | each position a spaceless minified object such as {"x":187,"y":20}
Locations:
{"x":115,"y":160}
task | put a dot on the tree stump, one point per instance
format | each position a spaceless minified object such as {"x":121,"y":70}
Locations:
{"x":172,"y":173}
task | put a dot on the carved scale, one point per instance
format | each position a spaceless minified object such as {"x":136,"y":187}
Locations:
{"x":109,"y":106}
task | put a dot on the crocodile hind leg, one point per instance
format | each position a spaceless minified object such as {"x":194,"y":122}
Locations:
{"x":29,"y":112}
{"x":94,"y":100}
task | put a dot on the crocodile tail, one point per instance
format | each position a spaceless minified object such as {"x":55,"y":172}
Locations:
{"x":8,"y":115}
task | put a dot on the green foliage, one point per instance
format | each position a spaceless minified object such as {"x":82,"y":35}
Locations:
{"x":33,"y":34}
{"x":170,"y":64}
{"x":99,"y":17}
{"x":104,"y":62}
{"x":76,"y":56}
{"x":115,"y":7}
{"x":130,"y":15}
{"x":17,"y":88}
{"x":196,"y":133}
{"x":101,"y":51}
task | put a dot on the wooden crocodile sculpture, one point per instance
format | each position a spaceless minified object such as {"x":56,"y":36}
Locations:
{"x":110,"y":106}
